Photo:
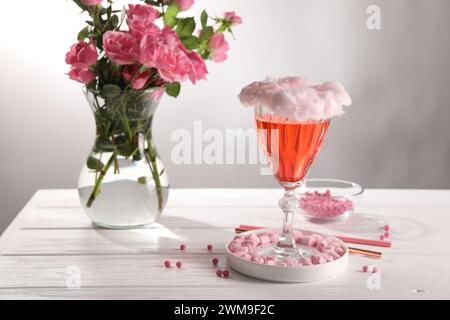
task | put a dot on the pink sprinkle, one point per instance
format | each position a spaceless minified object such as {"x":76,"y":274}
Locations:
{"x":365,"y":269}
{"x":324,"y":205}
{"x":376,"y":269}
{"x":225,"y":273}
{"x":219,"y":273}
{"x":387,"y":227}
{"x":215,"y":261}
{"x":179,"y":264}
{"x":209,"y":247}
{"x":167,"y":264}
{"x":182,"y":247}
{"x":387,"y":235}
{"x":382,"y":238}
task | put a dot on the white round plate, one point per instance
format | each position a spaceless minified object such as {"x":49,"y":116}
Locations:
{"x":296,"y":274}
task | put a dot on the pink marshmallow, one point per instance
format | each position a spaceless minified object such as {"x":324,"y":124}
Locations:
{"x":241,"y":250}
{"x":275,"y":238}
{"x":305,"y":261}
{"x":340,"y":251}
{"x":254,"y":239}
{"x":264,"y":240}
{"x":317,"y":259}
{"x":291,"y":262}
{"x":258,"y":259}
{"x":270,"y":262}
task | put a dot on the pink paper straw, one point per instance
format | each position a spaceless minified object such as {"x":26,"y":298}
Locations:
{"x":376,"y":243}
{"x":368,"y":242}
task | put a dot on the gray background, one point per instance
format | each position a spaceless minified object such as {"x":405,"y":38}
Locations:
{"x":394,"y":136}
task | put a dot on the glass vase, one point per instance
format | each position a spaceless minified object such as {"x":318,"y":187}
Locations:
{"x":123,"y":183}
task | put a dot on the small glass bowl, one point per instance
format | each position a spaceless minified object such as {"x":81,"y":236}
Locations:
{"x":327,"y":200}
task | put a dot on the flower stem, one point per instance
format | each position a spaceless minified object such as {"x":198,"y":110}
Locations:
{"x":151,"y":158}
{"x":99,"y":181}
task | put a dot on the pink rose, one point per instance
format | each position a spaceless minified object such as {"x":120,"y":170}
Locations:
{"x":139,"y":80}
{"x":185,"y":4}
{"x":141,"y":18}
{"x":218,"y":47}
{"x":81,"y":56}
{"x":232,"y":18}
{"x":199,"y":70}
{"x":82,"y":75}
{"x":82,"y":53}
{"x":173,"y":61}
{"x":121,"y":47}
{"x":91,"y":3}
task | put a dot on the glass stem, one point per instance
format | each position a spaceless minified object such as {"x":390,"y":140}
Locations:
{"x":286,"y":245}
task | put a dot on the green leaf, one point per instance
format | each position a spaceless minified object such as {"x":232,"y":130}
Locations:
{"x":83,"y":34}
{"x":170,"y":16}
{"x":109,"y":11}
{"x":111,"y":91}
{"x":94,"y":164}
{"x":206,"y":33}
{"x":173,"y":89}
{"x":204,"y":19}
{"x":104,"y":145}
{"x":190,"y":42}
{"x":185,"y":27}
{"x":142,"y":180}
{"x":113,"y":22}
{"x":81,"y":4}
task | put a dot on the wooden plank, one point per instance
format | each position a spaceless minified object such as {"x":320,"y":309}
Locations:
{"x":409,"y":236}
{"x":259,"y":198}
{"x":415,"y":274}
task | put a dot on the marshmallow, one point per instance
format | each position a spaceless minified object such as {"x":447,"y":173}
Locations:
{"x":258,"y":259}
{"x":318,"y":259}
{"x":305,"y":261}
{"x":340,"y":251}
{"x":264,"y":240}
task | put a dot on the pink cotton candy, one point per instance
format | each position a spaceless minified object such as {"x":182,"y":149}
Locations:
{"x":297,"y":98}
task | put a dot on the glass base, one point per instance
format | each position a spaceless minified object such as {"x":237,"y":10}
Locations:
{"x":283,"y":255}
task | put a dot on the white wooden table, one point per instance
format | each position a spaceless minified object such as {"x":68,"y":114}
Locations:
{"x":51,"y":240}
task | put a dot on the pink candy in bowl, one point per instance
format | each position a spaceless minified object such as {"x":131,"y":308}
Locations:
{"x":325,"y":200}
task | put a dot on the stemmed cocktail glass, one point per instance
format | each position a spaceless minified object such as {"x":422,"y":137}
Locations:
{"x":291,"y":148}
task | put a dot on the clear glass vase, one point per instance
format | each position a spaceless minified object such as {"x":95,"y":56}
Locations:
{"x":124,"y":183}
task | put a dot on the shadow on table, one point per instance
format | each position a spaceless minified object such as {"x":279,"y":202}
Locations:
{"x":368,"y":224}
